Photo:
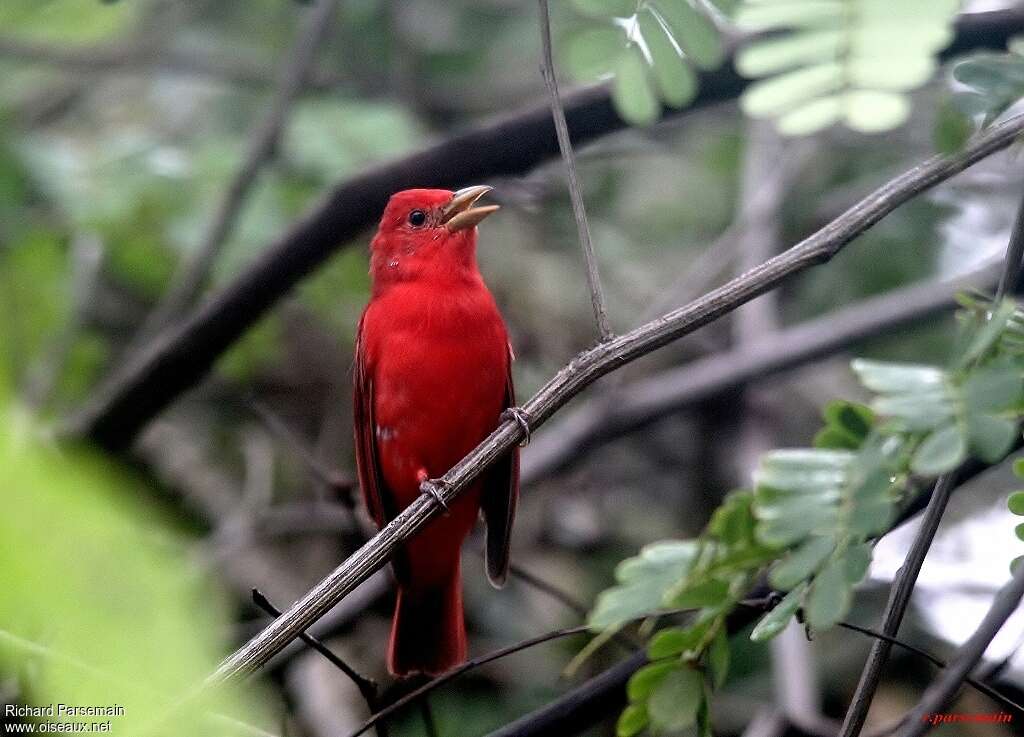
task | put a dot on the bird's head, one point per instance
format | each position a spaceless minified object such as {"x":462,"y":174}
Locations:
{"x":428,"y":234}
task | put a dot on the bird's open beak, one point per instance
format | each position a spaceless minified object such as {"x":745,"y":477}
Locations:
{"x":460,"y":213}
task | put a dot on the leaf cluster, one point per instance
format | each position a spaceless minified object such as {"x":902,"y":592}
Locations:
{"x":650,"y":48}
{"x":811,"y":517}
{"x":823,"y":62}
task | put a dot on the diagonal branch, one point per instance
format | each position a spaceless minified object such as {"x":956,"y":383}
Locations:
{"x":179,"y":358}
{"x":632,"y":406}
{"x":940,"y":693}
{"x":575,"y":192}
{"x":590,"y":365}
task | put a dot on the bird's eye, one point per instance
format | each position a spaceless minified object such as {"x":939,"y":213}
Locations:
{"x":417,"y":218}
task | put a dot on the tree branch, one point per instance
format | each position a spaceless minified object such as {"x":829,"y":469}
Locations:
{"x":575,"y":193}
{"x":630,"y":407}
{"x":512,"y":145}
{"x":940,"y":693}
{"x":590,"y":365}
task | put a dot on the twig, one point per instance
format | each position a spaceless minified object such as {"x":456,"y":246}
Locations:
{"x":896,"y":607}
{"x":586,"y":368}
{"x":906,"y":578}
{"x":973,"y":682}
{"x":511,"y":145}
{"x":367,"y":687}
{"x":262,"y":144}
{"x":575,"y":194}
{"x":337,"y":482}
{"x":469,"y":665}
{"x":942,"y":691}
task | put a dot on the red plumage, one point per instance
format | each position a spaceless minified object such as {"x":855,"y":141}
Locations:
{"x":432,"y":378}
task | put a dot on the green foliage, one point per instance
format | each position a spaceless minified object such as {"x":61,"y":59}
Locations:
{"x":993,"y":82}
{"x":813,"y":512}
{"x":100,"y":604}
{"x":1015,"y":503}
{"x":649,"y":47}
{"x":844,"y":61}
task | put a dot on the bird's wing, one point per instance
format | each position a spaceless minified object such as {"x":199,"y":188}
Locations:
{"x":380,"y":502}
{"x":498,"y":500}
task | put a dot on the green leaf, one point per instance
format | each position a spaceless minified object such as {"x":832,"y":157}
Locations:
{"x":991,"y":438}
{"x":642,"y":683}
{"x":858,"y":560}
{"x":836,"y":439}
{"x":952,"y":128}
{"x":1016,"y":502}
{"x":993,"y":388}
{"x":644,"y":581}
{"x":898,"y":378}
{"x":674,"y":703}
{"x":678,"y":640}
{"x":707,"y":593}
{"x":778,"y":618}
{"x":1019,"y":531}
{"x":985,"y":339}
{"x":780,"y":95}
{"x":778,"y":54}
{"x":676,"y":82}
{"x":854,"y":418}
{"x":762,"y":16}
{"x":1018,"y":468}
{"x":590,"y":52}
{"x":696,"y":34}
{"x":632,"y":720}
{"x":606,"y":8}
{"x":812,"y":117}
{"x":829,"y":597}
{"x":631,"y":92}
{"x":1015,"y":564}
{"x":667,"y":642}
{"x":718,"y":658}
{"x":875,"y":111}
{"x":801,"y":563}
{"x":943,"y":450}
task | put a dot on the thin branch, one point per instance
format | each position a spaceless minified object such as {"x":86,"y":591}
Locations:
{"x":367,"y":687}
{"x":896,"y":607}
{"x":632,"y":406}
{"x":511,"y":145}
{"x":980,"y":686}
{"x":586,"y":368}
{"x":575,"y":193}
{"x":906,"y":578}
{"x":469,"y":665}
{"x":339,"y":483}
{"x":262,"y":144}
{"x":940,"y":693}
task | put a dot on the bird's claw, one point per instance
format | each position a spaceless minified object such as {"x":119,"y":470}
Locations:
{"x":433,"y":489}
{"x":522,"y":418}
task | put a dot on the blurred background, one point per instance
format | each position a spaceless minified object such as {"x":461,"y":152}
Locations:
{"x":124,"y":130}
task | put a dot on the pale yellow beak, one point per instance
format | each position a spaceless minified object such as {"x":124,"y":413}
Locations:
{"x":460,"y":214}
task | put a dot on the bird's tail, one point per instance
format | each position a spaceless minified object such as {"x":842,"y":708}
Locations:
{"x":428,"y":632}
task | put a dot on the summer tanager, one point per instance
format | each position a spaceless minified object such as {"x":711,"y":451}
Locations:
{"x":432,"y":379}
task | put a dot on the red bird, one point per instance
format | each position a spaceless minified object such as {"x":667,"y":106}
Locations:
{"x":432,"y":379}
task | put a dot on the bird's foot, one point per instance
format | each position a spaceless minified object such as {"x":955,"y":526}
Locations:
{"x":432,"y":488}
{"x":522,"y":418}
